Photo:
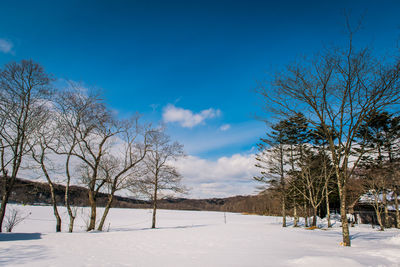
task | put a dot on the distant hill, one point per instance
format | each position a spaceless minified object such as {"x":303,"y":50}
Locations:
{"x":32,"y":192}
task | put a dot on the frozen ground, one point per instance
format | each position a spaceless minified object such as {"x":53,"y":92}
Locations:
{"x":191,"y":238}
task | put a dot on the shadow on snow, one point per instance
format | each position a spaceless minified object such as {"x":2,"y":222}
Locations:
{"x":157,"y":228}
{"x":22,"y":254}
{"x":19,"y":236}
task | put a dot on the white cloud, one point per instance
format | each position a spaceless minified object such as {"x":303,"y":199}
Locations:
{"x":5,"y":46}
{"x":206,"y":140}
{"x":186,"y":118}
{"x":226,"y":176}
{"x":225,"y":127}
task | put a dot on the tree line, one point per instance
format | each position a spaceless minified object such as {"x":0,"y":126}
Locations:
{"x":296,"y":166}
{"x":72,"y":131}
{"x":337,"y":132}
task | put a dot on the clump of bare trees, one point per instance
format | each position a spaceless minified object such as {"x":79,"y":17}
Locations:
{"x":106,"y":148}
{"x":71,"y":132}
{"x":337,"y":91}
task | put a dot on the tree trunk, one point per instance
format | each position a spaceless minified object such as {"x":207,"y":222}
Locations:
{"x":350,"y":210}
{"x":52,"y":193}
{"x":282,"y":182}
{"x":4,"y":201}
{"x":296,"y":218}
{"x":305,"y":213}
{"x":283,"y":211}
{"x":328,"y":212}
{"x":92,"y":203}
{"x":55,"y":210}
{"x":67,"y":204}
{"x":343,"y":214}
{"x":314,"y":222}
{"x":379,"y":218}
{"x":396,"y":206}
{"x":153,"y":225}
{"x":8,"y":184}
{"x":71,"y":224}
{"x":385,"y":210}
{"x":105,"y":213}
{"x":71,"y":219}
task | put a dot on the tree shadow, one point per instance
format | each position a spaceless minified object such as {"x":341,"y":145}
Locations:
{"x":22,"y":254}
{"x":182,"y":226}
{"x":366,"y":236}
{"x":157,"y":228}
{"x":19,"y":236}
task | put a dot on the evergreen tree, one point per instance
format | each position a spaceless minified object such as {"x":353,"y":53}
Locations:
{"x":272,"y":159}
{"x":297,"y":134}
{"x":379,"y":136}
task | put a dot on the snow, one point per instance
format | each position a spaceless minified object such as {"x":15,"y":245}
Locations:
{"x":190,"y":238}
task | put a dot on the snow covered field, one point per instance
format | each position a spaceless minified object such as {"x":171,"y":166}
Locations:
{"x":191,"y":238}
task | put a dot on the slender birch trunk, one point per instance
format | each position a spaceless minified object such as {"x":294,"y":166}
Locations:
{"x":105,"y":213}
{"x":296,"y":218}
{"x":283,"y":211}
{"x":283,"y":196}
{"x":52,"y":193}
{"x":396,"y":206}
{"x":305,"y":212}
{"x":67,"y":204}
{"x":328,"y":212}
{"x":55,"y":210}
{"x":385,"y":209}
{"x":153,"y":225}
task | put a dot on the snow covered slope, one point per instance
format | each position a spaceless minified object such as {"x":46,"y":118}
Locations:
{"x":191,"y":238}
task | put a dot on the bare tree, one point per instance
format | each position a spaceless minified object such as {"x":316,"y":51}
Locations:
{"x":13,"y":218}
{"x":89,"y":129}
{"x":45,"y":137}
{"x":158,"y":173}
{"x":118,"y":168}
{"x":76,"y":120}
{"x":24,"y":86}
{"x":312,"y":179}
{"x":91,"y":150}
{"x":336,"y":90}
{"x":376,"y":183}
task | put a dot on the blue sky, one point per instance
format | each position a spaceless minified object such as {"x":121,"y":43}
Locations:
{"x":197,"y":61}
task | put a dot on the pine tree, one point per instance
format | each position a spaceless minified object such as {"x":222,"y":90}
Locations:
{"x":272,"y":159}
{"x":379,"y":136}
{"x":297,"y":134}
